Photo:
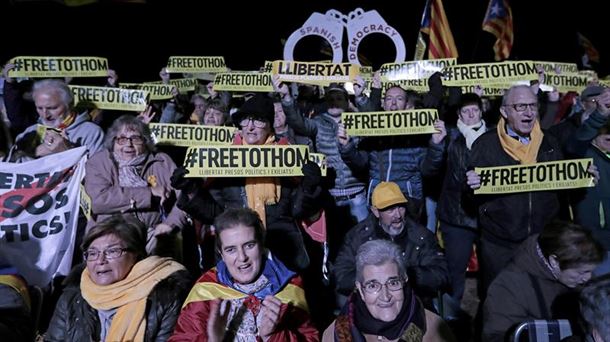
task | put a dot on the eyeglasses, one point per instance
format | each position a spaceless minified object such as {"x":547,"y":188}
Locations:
{"x":373,"y":286}
{"x":136,"y":140}
{"x":521,"y":107}
{"x":109,"y":254}
{"x":256,"y":123}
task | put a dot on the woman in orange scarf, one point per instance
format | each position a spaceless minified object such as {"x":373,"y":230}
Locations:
{"x":122,"y":296}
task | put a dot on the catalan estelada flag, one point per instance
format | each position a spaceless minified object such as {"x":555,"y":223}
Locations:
{"x":434,"y":23}
{"x":499,"y":22}
{"x":590,"y":50}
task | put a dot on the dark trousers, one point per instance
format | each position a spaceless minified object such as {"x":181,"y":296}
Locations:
{"x":458,"y":242}
{"x":493,"y":258}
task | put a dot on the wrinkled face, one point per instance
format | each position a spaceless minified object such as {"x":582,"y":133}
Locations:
{"x":50,"y":107}
{"x":384,"y":305}
{"x":576,"y":276}
{"x":337,"y":103}
{"x":213,"y":117}
{"x":521,"y":111}
{"x":242,"y":253}
{"x":279,"y":121}
{"x":105,"y":271}
{"x":199,"y":105}
{"x":395,"y":99}
{"x":255,"y":132}
{"x":128,"y":144}
{"x":603,"y":142}
{"x":470,"y":114}
{"x":391,"y":219}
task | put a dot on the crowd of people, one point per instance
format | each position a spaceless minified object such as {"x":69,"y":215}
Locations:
{"x":169,"y":257}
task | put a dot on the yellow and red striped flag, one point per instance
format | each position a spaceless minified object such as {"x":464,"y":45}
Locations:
{"x":499,"y":22}
{"x":434,"y":23}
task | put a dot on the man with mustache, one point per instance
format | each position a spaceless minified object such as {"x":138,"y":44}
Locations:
{"x":426,"y":264}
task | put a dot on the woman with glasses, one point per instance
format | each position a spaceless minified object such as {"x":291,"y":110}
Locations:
{"x":384,"y":306}
{"x":130,"y":177}
{"x":121,"y":295}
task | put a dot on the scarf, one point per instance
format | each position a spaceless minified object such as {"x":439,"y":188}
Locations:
{"x":129,"y":296}
{"x":68,"y":120}
{"x":261,"y":191}
{"x":525,"y":154}
{"x":472,"y":132}
{"x":356,"y":320}
{"x":129,"y":171}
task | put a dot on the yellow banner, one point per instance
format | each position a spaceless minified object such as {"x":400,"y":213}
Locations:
{"x":416,"y":85}
{"x":243,"y":81}
{"x":30,"y":66}
{"x":605,"y":83}
{"x":418,"y":121}
{"x":566,"y":82}
{"x":554,"y":67}
{"x":191,"y":135}
{"x":196,"y":64}
{"x":85,"y":202}
{"x":315,"y":73}
{"x":157,"y":91}
{"x":488,"y":90}
{"x":320,"y":159}
{"x":267,"y":67}
{"x":555,"y":175}
{"x":415,"y":70}
{"x":246,"y":161}
{"x":111,"y":98}
{"x":184,"y":85}
{"x":489,"y":73}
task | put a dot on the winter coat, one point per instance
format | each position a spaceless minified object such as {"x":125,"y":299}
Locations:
{"x":507,"y":219}
{"x":426,"y":264}
{"x":512,"y":297}
{"x":75,"y":320}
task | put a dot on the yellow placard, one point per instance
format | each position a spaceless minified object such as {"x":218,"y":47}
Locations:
{"x":315,"y":73}
{"x":243,"y":81}
{"x":198,"y":64}
{"x":246,"y":161}
{"x":184,"y":85}
{"x":488,"y":90}
{"x":555,"y":67}
{"x":489,"y":73}
{"x":414,"y":70}
{"x":555,"y":175}
{"x":605,"y":83}
{"x":111,"y":98}
{"x":191,"y":135}
{"x":418,"y":121}
{"x":85,"y":202}
{"x":30,"y":66}
{"x":416,"y":85}
{"x":157,"y":91}
{"x":566,"y":82}
{"x":320,"y":159}
{"x":267,"y":67}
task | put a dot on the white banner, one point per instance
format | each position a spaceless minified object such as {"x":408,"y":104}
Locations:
{"x":38,"y":214}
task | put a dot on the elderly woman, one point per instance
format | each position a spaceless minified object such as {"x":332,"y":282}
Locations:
{"x":541,"y":279}
{"x":250,"y":295}
{"x":279,"y":201}
{"x":384,"y":308}
{"x":595,"y":308}
{"x":129,"y":177}
{"x":121,"y":295}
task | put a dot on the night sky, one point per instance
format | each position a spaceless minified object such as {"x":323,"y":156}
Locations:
{"x":130,"y":35}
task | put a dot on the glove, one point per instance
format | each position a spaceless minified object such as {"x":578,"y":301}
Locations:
{"x":178,"y":180}
{"x":312,"y":176}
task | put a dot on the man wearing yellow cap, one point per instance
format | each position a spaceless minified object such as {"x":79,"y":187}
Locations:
{"x":426,"y":264}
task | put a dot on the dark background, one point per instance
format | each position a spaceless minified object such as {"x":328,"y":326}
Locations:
{"x":138,"y":38}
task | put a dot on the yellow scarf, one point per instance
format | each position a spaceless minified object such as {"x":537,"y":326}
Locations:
{"x":68,"y":120}
{"x":525,"y":154}
{"x":129,"y":296}
{"x":262,"y":190}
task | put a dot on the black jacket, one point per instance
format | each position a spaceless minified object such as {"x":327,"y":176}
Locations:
{"x":426,"y":264}
{"x":507,"y":219}
{"x":75,"y":320}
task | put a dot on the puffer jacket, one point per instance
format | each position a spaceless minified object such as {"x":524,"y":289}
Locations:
{"x":75,"y":320}
{"x":426,"y":264}
{"x":507,"y":219}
